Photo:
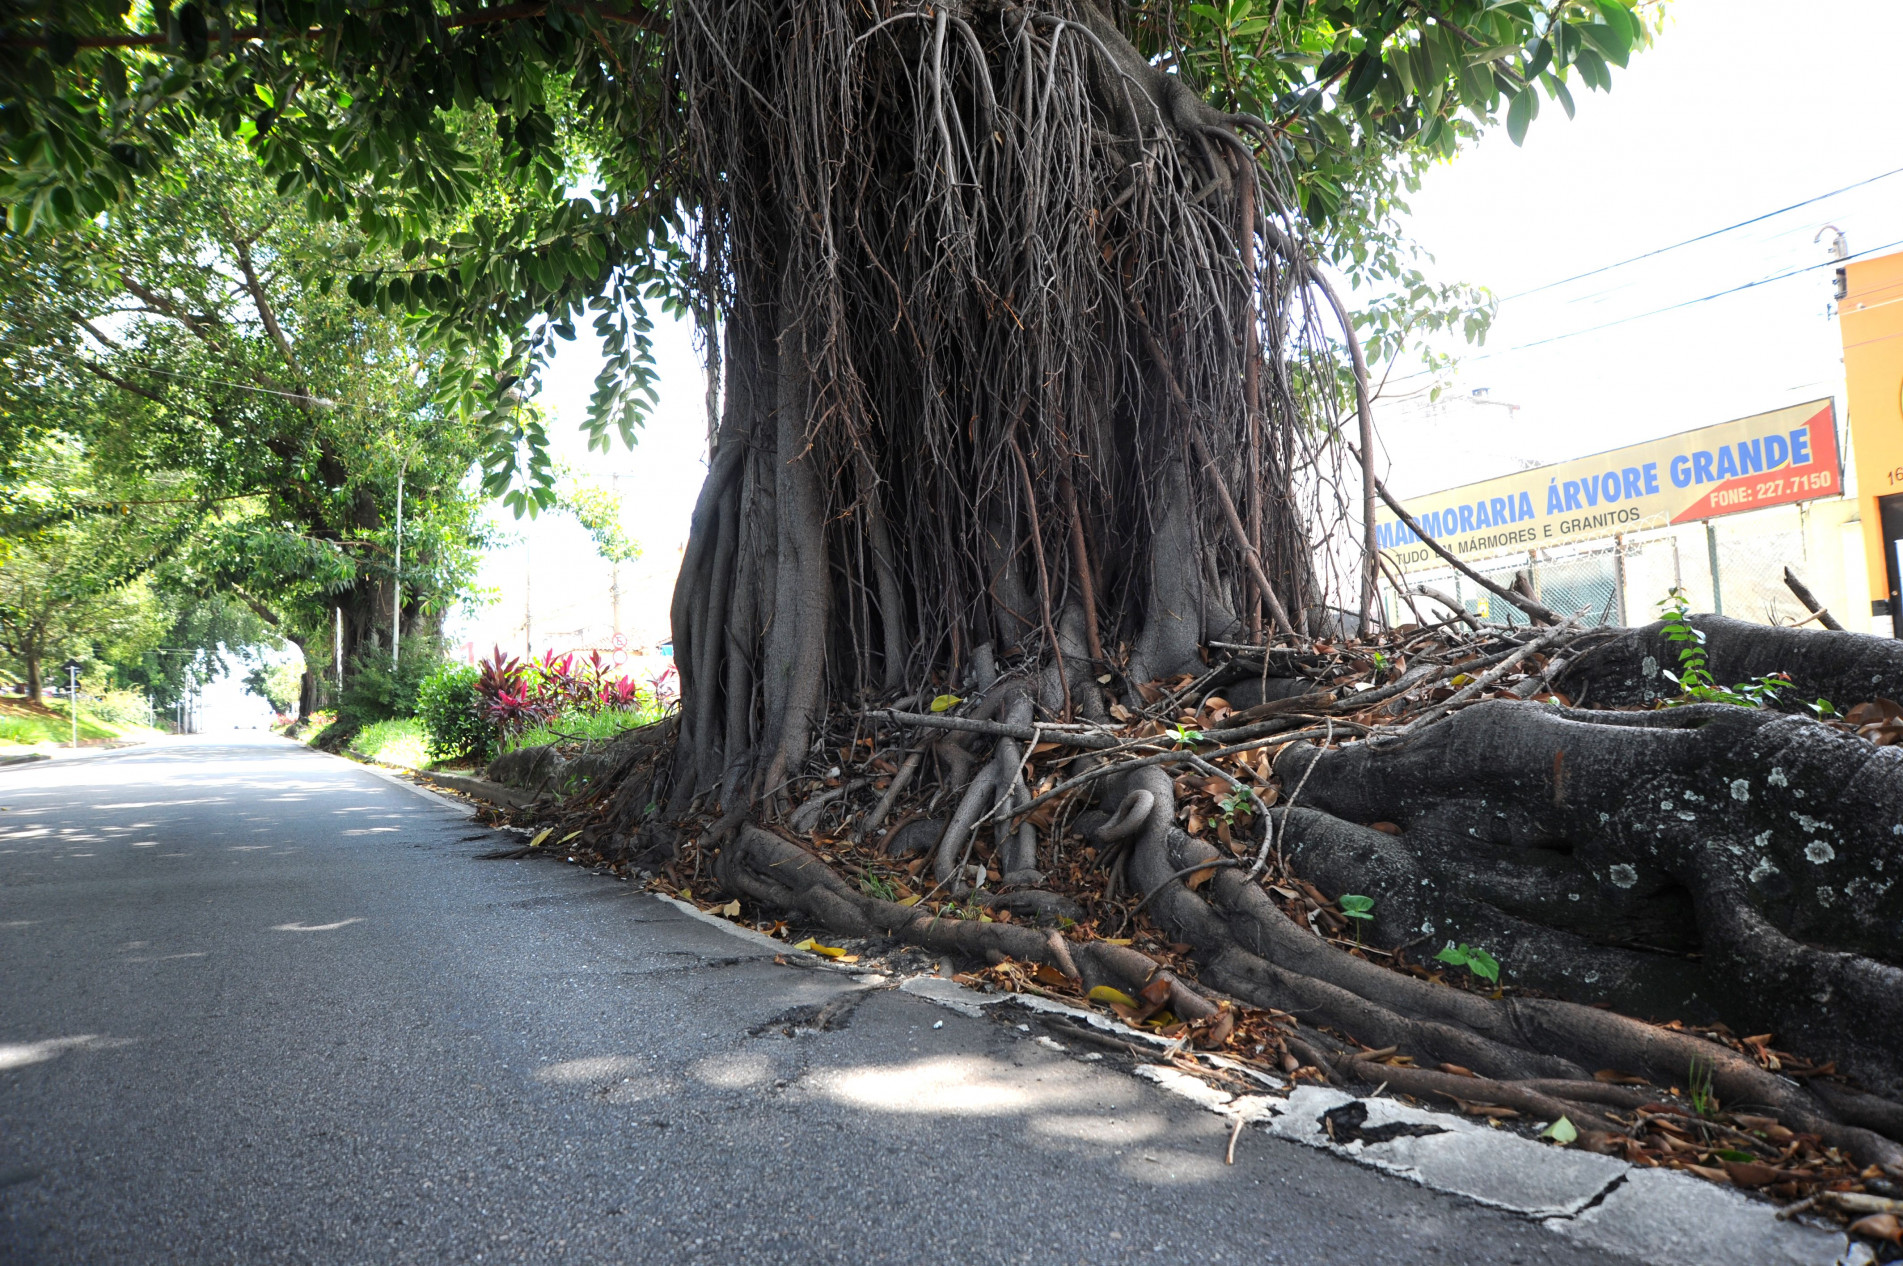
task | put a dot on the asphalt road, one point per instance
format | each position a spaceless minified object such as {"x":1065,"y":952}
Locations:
{"x":262,"y":1005}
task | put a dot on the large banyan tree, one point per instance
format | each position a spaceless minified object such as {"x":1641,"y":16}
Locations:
{"x":1035,"y":425}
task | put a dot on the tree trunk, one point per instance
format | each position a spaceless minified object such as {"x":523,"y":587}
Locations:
{"x":30,"y":657}
{"x":999,"y":389}
{"x":989,"y":324}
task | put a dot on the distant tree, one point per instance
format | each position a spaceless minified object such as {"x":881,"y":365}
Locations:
{"x":192,"y":337}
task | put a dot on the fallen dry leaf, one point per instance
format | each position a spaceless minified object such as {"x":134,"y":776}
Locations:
{"x":1879,"y":1226}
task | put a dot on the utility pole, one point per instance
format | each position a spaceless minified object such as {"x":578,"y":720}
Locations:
{"x":396,"y":609}
{"x":340,"y":652}
{"x":614,"y":583}
{"x":528,"y":598}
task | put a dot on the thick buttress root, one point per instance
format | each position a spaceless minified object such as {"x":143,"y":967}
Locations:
{"x":1707,"y":861}
{"x":779,"y":873}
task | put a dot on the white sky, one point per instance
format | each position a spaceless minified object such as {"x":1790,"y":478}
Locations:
{"x":1742,"y":107}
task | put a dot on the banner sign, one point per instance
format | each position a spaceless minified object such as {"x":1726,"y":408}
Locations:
{"x":1768,"y":459}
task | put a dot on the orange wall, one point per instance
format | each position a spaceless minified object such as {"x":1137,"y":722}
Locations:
{"x":1871,"y":318}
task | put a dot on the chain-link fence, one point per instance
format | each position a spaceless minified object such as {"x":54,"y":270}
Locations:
{"x":1734,"y":566}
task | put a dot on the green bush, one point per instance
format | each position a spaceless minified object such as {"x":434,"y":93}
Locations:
{"x":375,"y":690}
{"x":451,"y":712}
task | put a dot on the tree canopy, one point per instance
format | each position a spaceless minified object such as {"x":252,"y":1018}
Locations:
{"x":516,"y":169}
{"x":197,"y":388}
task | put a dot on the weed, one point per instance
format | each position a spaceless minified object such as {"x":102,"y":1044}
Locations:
{"x":879,"y":889}
{"x":1186,"y":736}
{"x":1359,"y":908}
{"x":1240,"y":802}
{"x":1704,"y":1103}
{"x":1477,"y":961}
{"x":1693,"y":678}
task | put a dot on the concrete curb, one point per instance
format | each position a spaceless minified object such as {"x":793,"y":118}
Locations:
{"x":480,"y":788}
{"x":1655,"y":1216}
{"x":66,"y":755}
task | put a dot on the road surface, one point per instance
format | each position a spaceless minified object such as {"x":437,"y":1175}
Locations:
{"x":260,"y":1005}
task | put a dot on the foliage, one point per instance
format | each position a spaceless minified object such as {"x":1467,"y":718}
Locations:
{"x":73,"y":586}
{"x":1477,"y":961}
{"x":560,"y":697}
{"x":1240,"y":802}
{"x":1698,"y":1078}
{"x":452,"y":142}
{"x":452,"y":714}
{"x":28,"y":726}
{"x":598,"y":510}
{"x":280,"y":685}
{"x":377,"y":690}
{"x":234,"y":421}
{"x":1693,"y":678}
{"x":597,"y":726}
{"x":125,"y":708}
{"x":397,"y":741}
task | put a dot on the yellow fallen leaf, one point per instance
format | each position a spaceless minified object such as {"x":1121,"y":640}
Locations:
{"x":570,"y":836}
{"x":909,"y":901}
{"x":687,"y":894}
{"x":1116,"y":940}
{"x":805,"y":944}
{"x":945,"y":702}
{"x":1461,"y":680}
{"x":731,"y":909}
{"x":1105,"y":993}
{"x":541,"y":835}
{"x":830,"y":951}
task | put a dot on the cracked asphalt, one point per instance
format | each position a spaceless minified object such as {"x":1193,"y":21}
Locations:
{"x":259,"y":1004}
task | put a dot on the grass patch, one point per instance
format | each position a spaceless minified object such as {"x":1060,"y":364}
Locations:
{"x":26,"y":725}
{"x":399,"y":742}
{"x":582,"y":727}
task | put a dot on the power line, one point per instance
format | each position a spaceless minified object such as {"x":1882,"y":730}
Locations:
{"x":1686,"y":303}
{"x":1606,"y":268}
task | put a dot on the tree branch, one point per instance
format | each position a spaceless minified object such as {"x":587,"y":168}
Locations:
{"x":256,"y":289}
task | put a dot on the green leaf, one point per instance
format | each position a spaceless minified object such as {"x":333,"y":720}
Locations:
{"x":1557,"y":89}
{"x":1362,"y":79}
{"x":1356,"y":906}
{"x":1483,"y":964}
{"x":1520,"y":113}
{"x":1562,"y":1132}
{"x":945,"y":702}
{"x":1620,"y":20}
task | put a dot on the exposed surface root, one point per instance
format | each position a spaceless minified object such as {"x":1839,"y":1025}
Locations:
{"x":1541,"y":832}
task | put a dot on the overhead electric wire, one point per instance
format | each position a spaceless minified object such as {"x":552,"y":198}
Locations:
{"x":1606,"y":268}
{"x":1686,"y":303}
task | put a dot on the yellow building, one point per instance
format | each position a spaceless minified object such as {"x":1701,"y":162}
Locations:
{"x":1870,"y":313}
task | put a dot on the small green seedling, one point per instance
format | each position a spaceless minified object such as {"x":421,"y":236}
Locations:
{"x":1693,"y":678}
{"x":1355,"y":906}
{"x":1704,"y":1102}
{"x":1240,"y":802}
{"x":1477,"y":961}
{"x":1186,"y":736}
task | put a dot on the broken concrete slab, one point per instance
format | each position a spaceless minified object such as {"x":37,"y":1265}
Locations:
{"x":1668,"y":1219}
